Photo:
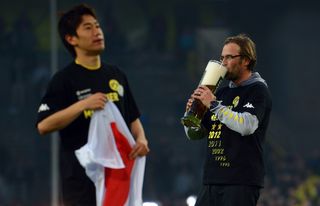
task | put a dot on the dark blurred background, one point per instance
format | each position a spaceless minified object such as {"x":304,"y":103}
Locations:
{"x":163,"y":47}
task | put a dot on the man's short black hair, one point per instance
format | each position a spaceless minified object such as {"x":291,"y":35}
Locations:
{"x":69,"y":22}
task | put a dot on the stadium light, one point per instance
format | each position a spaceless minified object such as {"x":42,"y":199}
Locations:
{"x":191,"y":200}
{"x":150,"y":204}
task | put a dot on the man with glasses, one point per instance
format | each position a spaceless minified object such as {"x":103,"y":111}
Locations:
{"x":234,"y":126}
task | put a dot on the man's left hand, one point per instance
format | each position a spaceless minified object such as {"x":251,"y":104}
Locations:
{"x":140,"y":148}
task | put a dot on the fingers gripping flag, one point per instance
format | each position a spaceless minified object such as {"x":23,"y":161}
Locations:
{"x":118,"y":180}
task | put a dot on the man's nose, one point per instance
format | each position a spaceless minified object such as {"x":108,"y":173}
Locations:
{"x":97,"y":31}
{"x":224,"y":62}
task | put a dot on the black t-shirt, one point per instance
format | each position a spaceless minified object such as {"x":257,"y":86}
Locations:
{"x":231,"y":157}
{"x":68,"y":86}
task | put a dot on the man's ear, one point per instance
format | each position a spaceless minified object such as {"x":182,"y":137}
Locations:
{"x":71,"y":39}
{"x":246,"y":61}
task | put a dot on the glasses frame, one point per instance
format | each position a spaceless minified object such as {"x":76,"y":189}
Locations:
{"x":229,"y":57}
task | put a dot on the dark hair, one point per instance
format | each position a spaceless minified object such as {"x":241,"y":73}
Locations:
{"x":247,"y":48}
{"x":69,"y":22}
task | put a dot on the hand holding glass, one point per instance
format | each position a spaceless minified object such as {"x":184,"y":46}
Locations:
{"x":211,"y":78}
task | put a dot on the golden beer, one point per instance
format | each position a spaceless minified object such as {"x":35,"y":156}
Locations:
{"x":211,"y":78}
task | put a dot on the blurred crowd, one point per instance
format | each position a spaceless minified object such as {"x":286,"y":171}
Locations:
{"x":293,"y":179}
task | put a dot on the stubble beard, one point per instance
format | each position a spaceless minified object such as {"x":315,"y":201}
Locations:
{"x":230,"y":76}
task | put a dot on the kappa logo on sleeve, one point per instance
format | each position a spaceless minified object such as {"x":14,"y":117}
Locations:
{"x":248,"y":105}
{"x":43,"y":107}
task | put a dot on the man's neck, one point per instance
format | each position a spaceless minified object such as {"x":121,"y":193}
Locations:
{"x":89,"y":62}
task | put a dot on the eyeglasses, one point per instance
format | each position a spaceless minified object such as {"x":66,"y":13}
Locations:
{"x":229,"y":57}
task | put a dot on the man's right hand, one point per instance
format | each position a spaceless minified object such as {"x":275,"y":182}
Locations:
{"x":95,"y":101}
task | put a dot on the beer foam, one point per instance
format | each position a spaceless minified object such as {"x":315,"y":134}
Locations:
{"x":213,"y":73}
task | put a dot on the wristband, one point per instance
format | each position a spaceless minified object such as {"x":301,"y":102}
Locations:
{"x":213,"y":105}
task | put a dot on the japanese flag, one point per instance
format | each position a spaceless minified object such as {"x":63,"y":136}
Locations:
{"x":118,"y":180}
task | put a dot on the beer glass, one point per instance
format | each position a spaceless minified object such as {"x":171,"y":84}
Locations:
{"x":211,"y":78}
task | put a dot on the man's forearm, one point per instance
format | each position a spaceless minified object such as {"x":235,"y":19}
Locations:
{"x":137,"y":130}
{"x":60,"y":119}
{"x":243,"y":123}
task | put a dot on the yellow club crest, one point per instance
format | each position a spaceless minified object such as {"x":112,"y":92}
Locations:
{"x":235,"y":101}
{"x":114,"y":85}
